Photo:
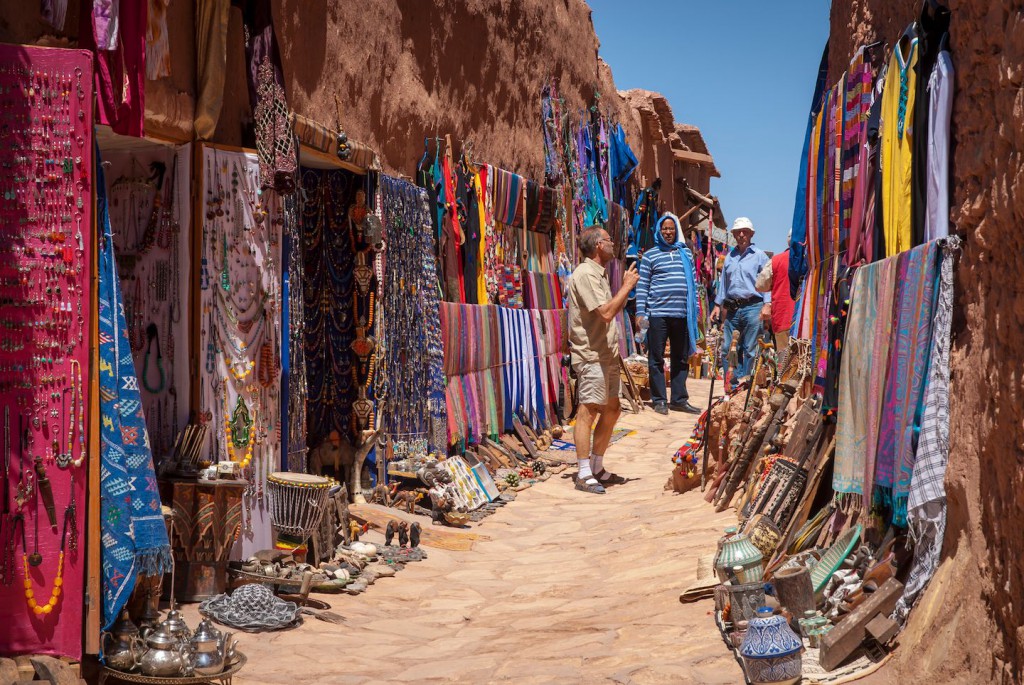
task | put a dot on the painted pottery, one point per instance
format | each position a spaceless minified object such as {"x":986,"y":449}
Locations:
{"x":744,"y":600}
{"x":737,"y":550}
{"x":729,"y":532}
{"x":781,"y":670}
{"x":771,"y":650}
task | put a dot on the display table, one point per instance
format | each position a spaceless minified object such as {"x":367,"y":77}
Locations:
{"x":207,"y":521}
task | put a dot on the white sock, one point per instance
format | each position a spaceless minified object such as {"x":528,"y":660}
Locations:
{"x":585,"y":474}
{"x":597,"y":462}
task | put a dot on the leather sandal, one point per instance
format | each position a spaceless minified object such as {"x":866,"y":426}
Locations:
{"x":608,"y":478}
{"x":584,"y":486}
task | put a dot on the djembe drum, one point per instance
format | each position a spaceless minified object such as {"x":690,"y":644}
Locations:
{"x":296,"y":506}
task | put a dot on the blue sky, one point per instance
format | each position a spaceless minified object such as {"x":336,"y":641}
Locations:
{"x":743,"y":71}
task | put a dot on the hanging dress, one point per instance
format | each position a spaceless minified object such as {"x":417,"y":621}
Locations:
{"x":898,"y":144}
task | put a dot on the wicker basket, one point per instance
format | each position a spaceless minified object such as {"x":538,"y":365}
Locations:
{"x":638,"y":370}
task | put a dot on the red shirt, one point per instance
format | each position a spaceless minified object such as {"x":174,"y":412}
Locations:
{"x":782,"y":303}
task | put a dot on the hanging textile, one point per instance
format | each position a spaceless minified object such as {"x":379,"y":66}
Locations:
{"x":898,"y":133}
{"x":120,"y":64}
{"x":913,"y":314}
{"x":541,"y":290}
{"x":105,"y":23}
{"x":622,"y":164}
{"x":798,"y":240}
{"x":940,"y":109}
{"x":862,"y":378}
{"x":541,"y":203}
{"x":508,"y":191}
{"x":933,"y":23}
{"x":328,"y":251}
{"x":211,"y":63}
{"x":132,"y":524}
{"x":275,"y":142}
{"x":645,"y":213}
{"x":839,"y":306}
{"x":539,"y":256}
{"x":551,"y":124}
{"x":926,"y":510}
{"x":510,"y":287}
{"x":158,"y":49}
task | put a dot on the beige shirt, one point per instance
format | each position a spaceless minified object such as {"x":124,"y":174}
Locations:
{"x":590,"y":338}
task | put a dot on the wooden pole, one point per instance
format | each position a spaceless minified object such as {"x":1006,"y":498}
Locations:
{"x":93,"y":609}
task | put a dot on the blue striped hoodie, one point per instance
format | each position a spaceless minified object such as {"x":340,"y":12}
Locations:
{"x":667,"y":286}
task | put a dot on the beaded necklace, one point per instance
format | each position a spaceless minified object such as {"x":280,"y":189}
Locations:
{"x":328,"y":282}
{"x":76,"y":416}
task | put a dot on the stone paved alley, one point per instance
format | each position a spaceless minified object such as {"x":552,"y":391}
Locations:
{"x":563,"y":587}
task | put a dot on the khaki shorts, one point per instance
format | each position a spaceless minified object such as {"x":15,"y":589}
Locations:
{"x":598,"y":382}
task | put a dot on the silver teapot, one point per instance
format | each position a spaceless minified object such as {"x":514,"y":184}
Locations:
{"x":123,"y":647}
{"x":167,"y":656}
{"x":212,"y":650}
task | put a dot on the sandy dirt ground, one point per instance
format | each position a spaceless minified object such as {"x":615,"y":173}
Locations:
{"x":564,"y":587}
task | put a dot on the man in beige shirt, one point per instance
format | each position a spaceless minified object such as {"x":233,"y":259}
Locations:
{"x":594,"y":348}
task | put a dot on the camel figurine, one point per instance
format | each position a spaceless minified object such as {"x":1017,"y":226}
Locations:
{"x":339,"y":452}
{"x":407,"y":499}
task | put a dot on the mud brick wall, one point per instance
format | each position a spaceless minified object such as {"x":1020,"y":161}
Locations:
{"x":967,"y":627}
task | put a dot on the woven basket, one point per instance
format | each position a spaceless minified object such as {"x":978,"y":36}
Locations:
{"x":638,"y":370}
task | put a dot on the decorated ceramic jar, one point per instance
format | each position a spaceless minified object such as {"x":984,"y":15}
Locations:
{"x":737,"y":550}
{"x":771,"y":650}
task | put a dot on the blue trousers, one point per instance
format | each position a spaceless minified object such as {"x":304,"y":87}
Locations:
{"x":673,"y":330}
{"x":746,"y":320}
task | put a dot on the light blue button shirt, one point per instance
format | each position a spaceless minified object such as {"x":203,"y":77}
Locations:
{"x":739,"y":275}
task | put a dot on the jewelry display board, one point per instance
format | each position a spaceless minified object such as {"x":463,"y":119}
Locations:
{"x":150,"y":215}
{"x":410,"y":327}
{"x":240,"y":328}
{"x":46,"y":266}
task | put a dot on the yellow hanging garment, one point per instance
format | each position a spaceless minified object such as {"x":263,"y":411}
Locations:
{"x":898,"y":144}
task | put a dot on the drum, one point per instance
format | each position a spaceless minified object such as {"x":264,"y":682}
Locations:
{"x":297,"y":502}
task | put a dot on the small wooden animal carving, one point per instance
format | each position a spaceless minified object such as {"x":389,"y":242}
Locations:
{"x":414,"y":535}
{"x":403,"y":534}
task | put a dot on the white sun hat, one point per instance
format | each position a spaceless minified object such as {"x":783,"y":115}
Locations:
{"x":742,"y":222}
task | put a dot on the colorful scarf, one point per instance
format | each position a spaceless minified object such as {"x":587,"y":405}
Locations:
{"x":879,"y":368}
{"x":542,"y":290}
{"x":926,"y":510}
{"x":134,"y":539}
{"x":913,"y":314}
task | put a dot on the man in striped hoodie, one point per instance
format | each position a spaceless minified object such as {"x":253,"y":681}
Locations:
{"x":666,"y":298}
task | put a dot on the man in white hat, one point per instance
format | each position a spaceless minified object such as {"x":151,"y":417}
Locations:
{"x":745,"y":308}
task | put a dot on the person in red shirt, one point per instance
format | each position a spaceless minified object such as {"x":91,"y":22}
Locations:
{"x":774,"y":278}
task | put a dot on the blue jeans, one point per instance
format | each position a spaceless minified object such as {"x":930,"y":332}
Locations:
{"x":746,"y":320}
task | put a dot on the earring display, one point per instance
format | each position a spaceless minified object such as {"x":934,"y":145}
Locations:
{"x":46,"y":254}
{"x":149,"y":219}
